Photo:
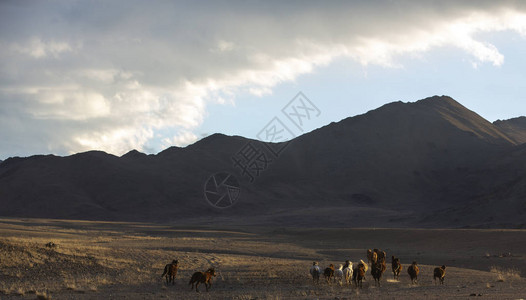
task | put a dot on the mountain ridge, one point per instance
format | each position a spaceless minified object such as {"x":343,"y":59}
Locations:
{"x":395,"y":162}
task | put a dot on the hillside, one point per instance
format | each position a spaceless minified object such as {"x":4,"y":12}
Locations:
{"x":426,"y":163}
{"x":514,"y":128}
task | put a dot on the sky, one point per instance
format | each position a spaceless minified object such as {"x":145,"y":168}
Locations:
{"x":146,"y":75}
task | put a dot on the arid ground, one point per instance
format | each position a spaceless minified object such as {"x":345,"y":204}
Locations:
{"x":109,"y":260}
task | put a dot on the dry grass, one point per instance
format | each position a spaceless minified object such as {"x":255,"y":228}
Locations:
{"x":504,"y":274}
{"x":43,"y":295}
{"x":94,"y":264}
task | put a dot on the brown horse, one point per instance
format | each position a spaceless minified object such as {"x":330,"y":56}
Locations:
{"x":377,"y":269}
{"x":396,"y":266}
{"x":439,"y":273}
{"x":370,"y":255}
{"x":413,"y":271}
{"x":170,"y":271}
{"x":359,"y":274}
{"x":329,"y":273}
{"x":380,"y":255}
{"x":202,"y":277}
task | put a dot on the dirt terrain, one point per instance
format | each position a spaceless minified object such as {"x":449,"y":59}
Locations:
{"x":110,"y":260}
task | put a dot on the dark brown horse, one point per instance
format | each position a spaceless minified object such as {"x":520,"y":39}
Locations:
{"x":413,"y":271}
{"x":202,"y":277}
{"x":359,"y":274}
{"x":329,"y":273}
{"x":170,"y":271}
{"x":396,"y":266}
{"x":377,"y":269}
{"x":381,"y":255}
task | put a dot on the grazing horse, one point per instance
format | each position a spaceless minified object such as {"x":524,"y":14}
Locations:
{"x":377,"y":269}
{"x":348,"y":272}
{"x":315,"y":272}
{"x":439,"y":273}
{"x":329,"y":273}
{"x":170,"y":271}
{"x":202,"y":277}
{"x":413,"y":272}
{"x":396,"y":266}
{"x":359,"y":274}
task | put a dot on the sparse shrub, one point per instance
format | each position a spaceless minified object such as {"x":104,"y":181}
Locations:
{"x":19,"y":291}
{"x":503,"y":274}
{"x":51,"y":245}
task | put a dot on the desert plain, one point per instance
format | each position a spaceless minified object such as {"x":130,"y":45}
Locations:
{"x":116,"y":260}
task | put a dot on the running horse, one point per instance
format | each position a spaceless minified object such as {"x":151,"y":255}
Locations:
{"x":202,"y":277}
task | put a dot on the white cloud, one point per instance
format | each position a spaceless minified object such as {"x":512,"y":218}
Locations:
{"x":37,"y":48}
{"x":182,"y":139}
{"x":112,"y":78}
{"x":224,"y":46}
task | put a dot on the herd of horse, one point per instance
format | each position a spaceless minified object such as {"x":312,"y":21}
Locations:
{"x":170,"y":272}
{"x":349,"y":273}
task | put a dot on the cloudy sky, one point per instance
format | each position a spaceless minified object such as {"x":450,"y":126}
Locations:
{"x":145,"y":75}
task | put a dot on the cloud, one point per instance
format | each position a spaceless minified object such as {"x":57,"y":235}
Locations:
{"x":182,"y":139}
{"x":114,"y":75}
{"x":37,"y":48}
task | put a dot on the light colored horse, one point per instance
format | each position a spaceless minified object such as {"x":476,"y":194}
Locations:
{"x":315,"y":272}
{"x":338,"y":274}
{"x":347,"y":273}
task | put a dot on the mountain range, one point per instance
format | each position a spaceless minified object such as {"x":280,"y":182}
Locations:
{"x":429,"y":163}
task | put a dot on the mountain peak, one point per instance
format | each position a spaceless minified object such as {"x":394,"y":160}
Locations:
{"x":465,"y":119}
{"x":440,"y":100}
{"x":134,"y":154}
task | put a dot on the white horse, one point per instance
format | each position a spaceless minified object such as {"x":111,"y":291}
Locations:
{"x":338,"y":274}
{"x":315,"y":272}
{"x":347,"y":273}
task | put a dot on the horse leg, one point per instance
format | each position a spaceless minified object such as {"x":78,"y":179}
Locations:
{"x":196,"y":285}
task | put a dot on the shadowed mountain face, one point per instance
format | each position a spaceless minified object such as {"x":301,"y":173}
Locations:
{"x":431,"y":163}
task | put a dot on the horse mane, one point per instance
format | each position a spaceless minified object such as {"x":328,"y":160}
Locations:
{"x":365,"y":266}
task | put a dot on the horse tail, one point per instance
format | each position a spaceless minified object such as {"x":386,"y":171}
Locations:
{"x":165,"y":271}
